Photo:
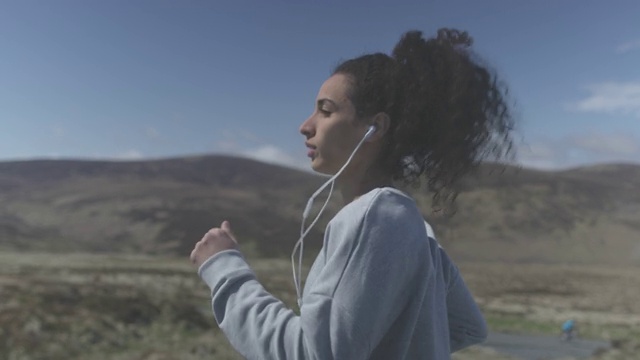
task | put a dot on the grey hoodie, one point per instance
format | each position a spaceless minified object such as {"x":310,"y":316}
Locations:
{"x":380,"y":288}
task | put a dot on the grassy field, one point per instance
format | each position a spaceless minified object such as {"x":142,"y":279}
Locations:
{"x":80,"y":306}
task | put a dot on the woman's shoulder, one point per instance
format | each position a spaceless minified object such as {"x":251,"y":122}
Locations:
{"x":381,"y":197}
{"x":384,"y":202}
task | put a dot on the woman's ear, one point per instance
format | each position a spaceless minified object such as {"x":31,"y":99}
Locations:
{"x":382,"y":122}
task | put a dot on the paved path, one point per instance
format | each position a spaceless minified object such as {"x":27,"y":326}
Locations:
{"x":533,"y":347}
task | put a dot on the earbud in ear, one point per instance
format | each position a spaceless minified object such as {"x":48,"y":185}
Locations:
{"x":370,"y":131}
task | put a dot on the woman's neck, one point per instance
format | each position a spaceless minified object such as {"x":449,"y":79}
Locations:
{"x":353,"y":188}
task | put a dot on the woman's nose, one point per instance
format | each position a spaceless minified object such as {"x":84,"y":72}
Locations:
{"x":307,"y":129}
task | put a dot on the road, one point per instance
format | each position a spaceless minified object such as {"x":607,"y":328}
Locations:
{"x":533,"y":347}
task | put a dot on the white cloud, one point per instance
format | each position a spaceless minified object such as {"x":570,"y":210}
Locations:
{"x":612,"y":98}
{"x":246,"y":144}
{"x":274,"y":155}
{"x":580,"y":149}
{"x":541,"y":150}
{"x":228,"y":134}
{"x":542,"y":155}
{"x":249,"y":136}
{"x":227,"y":145}
{"x":608,"y":144}
{"x":546,"y":154}
{"x":628,"y":46}
{"x":152,"y":133}
{"x":131,"y":154}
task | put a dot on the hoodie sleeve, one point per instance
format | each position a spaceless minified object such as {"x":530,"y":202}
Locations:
{"x":371,"y":261}
{"x":466,"y":324}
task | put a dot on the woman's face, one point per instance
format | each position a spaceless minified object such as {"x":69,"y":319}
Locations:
{"x":332,"y":132}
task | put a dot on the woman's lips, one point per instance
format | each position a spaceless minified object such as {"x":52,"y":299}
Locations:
{"x":311,"y":152}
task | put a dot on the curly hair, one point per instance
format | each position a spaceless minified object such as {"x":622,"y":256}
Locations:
{"x":448,"y":111}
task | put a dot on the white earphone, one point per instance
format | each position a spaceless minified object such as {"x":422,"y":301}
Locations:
{"x":303,"y":232}
{"x":370,"y":132}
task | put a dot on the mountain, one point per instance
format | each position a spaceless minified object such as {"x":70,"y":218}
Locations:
{"x":161,"y":206}
{"x":504,"y":213}
{"x":582,"y":215}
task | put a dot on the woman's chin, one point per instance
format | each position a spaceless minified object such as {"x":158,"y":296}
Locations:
{"x":317,"y":166}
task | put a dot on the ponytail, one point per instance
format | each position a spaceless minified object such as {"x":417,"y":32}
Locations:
{"x":448,"y":110}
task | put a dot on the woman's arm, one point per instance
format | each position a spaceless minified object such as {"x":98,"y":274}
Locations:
{"x":466,"y":324}
{"x":346,"y":312}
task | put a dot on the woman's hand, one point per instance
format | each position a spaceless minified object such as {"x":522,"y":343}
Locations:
{"x":214,"y":241}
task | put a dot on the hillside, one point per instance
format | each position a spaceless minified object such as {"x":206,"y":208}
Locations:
{"x":159,"y":206}
{"x":581,"y":215}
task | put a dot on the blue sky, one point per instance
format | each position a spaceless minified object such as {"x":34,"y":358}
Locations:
{"x":153,"y":79}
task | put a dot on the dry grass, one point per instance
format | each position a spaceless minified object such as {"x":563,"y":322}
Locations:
{"x":80,"y":306}
{"x":534,"y":298}
{"x":590,"y":295}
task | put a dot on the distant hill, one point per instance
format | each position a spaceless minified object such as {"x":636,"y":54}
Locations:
{"x":161,"y":206}
{"x":582,"y":215}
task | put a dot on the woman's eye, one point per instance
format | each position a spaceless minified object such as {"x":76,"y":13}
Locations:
{"x":325,"y":112}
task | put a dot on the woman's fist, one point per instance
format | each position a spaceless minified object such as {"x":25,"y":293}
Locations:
{"x":214,"y":241}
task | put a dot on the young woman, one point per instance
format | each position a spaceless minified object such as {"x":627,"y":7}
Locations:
{"x":381,"y":287}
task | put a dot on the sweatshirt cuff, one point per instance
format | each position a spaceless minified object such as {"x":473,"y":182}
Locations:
{"x":223,"y":265}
